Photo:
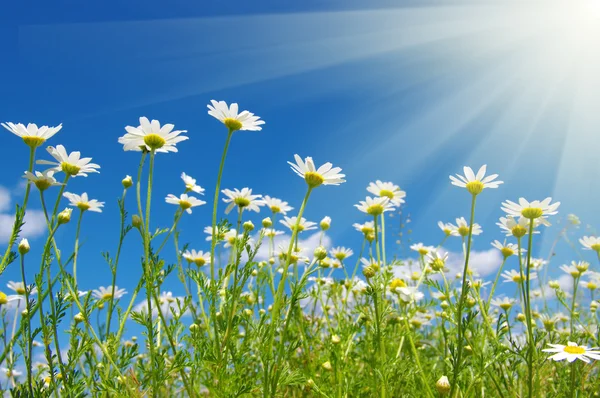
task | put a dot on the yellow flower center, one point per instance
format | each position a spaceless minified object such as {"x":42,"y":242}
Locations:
{"x":475,"y":187}
{"x":375,"y":209}
{"x":313,"y":179}
{"x":232,"y":124}
{"x":422,"y":251}
{"x":574,"y":349}
{"x":463,"y":230}
{"x":517,"y":278}
{"x":69,"y":168}
{"x":575,"y":273}
{"x":298,"y":228}
{"x":386,"y":193}
{"x":184,"y":204}
{"x":396,"y":283}
{"x":367,"y":230}
{"x":437,"y":264}
{"x":596,"y":247}
{"x":507,"y":252}
{"x":416,"y":323}
{"x":83,"y":206}
{"x":241,"y":202}
{"x":506,"y":306}
{"x":189,"y":187}
{"x":3,"y":298}
{"x":20,"y":290}
{"x":592,"y":286}
{"x":106,"y":295}
{"x":447,"y":231}
{"x":532,"y":212}
{"x":519,"y":231}
{"x":340,"y":256}
{"x":33,"y":141}
{"x":154,"y":141}
{"x":275,"y":209}
{"x":199,"y":261}
{"x":43,"y":184}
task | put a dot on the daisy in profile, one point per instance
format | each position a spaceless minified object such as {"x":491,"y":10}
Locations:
{"x":83,"y":202}
{"x":150,"y":136}
{"x":324,"y":175}
{"x":388,"y":190}
{"x":505,"y":303}
{"x":32,"y":135}
{"x":507,"y":249}
{"x":341,"y":253}
{"x":448,"y":229}
{"x":71,"y":164}
{"x":276,"y":205}
{"x":43,"y":180}
{"x":571,"y":352}
{"x":366,"y":228}
{"x":190,"y":184}
{"x":475,"y":183}
{"x":462,"y":227}
{"x":375,"y":206}
{"x":303,"y":225}
{"x":234,"y":121}
{"x":220,"y":234}
{"x":421,"y":248}
{"x":105,"y":293}
{"x":530,"y":210}
{"x":243,"y":199}
{"x":19,"y":288}
{"x":197,"y":257}
{"x":184,"y":201}
{"x":436,"y":260}
{"x":590,"y":243}
{"x":231,"y":238}
{"x":271,"y":232}
{"x":515,"y":276}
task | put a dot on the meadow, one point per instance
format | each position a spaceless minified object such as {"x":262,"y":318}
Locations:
{"x":326,"y":322}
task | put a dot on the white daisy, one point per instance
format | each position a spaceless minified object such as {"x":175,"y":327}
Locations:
{"x":409,"y":294}
{"x":512,"y":226}
{"x":43,"y":180}
{"x":151,"y":136}
{"x":448,"y":228}
{"x":231,"y":238}
{"x":515,"y":276}
{"x":375,"y":206}
{"x":475,"y":183}
{"x":104,"y":293}
{"x":208,"y":230}
{"x":366,"y":228}
{"x":303,"y":225}
{"x":436,"y":260}
{"x":421,"y":248}
{"x":229,"y":116}
{"x":590,"y":243}
{"x":276,"y":205}
{"x":341,"y":253}
{"x":71,"y":164}
{"x":324,"y":175}
{"x":184,"y":201}
{"x":389,"y":190}
{"x":32,"y":135}
{"x":530,"y":210}
{"x":507,"y":249}
{"x":190,"y":184}
{"x":83,"y":202}
{"x":505,"y":303}
{"x":271,"y":233}
{"x":571,"y":352}
{"x":199,"y":258}
{"x":19,"y":288}
{"x":243,"y":199}
{"x":462,"y":227}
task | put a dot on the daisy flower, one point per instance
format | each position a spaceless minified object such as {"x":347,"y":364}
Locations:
{"x":505,"y":303}
{"x":150,"y":136}
{"x":324,"y":175}
{"x":229,"y":116}
{"x":515,"y":276}
{"x":208,"y":230}
{"x":389,"y":190}
{"x":590,"y":243}
{"x":297,"y":253}
{"x":530,"y":210}
{"x":43,"y":180}
{"x":83,"y":202}
{"x":104,"y":293}
{"x":448,"y":228}
{"x":276,"y":205}
{"x":421,"y":248}
{"x":271,"y":233}
{"x":571,"y":352}
{"x":375,"y":206}
{"x":71,"y":164}
{"x":518,"y":228}
{"x":462,"y":227}
{"x":409,"y":294}
{"x":325,"y":223}
{"x":243,"y":199}
{"x":475,"y":183}
{"x":436,"y":260}
{"x":184,"y":201}
{"x":341,"y":253}
{"x":366,"y":228}
{"x":303,"y":225}
{"x":197,"y":257}
{"x":507,"y":249}
{"x":19,"y":288}
{"x":231,"y":238}
{"x":190,"y":184}
{"x":32,"y":135}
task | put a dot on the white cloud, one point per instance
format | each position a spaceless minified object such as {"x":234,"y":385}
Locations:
{"x":483,"y":263}
{"x":35,"y":222}
{"x":4,"y":199}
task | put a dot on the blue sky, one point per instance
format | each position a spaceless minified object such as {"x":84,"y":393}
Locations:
{"x":385,"y":90}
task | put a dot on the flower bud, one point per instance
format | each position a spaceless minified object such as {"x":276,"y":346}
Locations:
{"x":320,"y":253}
{"x":325,"y":223}
{"x":443,"y":385}
{"x":554,"y":284}
{"x":327,"y":365}
{"x":79,"y":317}
{"x":127,"y":182}
{"x":267,"y":222}
{"x":369,"y":272}
{"x":64,"y":216}
{"x":248,"y":226}
{"x":248,"y":312}
{"x":136,"y":221}
{"x":521,"y":317}
{"x":24,"y":246}
{"x":335,"y":339}
{"x":254,"y":272}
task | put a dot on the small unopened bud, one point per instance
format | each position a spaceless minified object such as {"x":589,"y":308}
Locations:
{"x":254,"y":272}
{"x":79,"y":317}
{"x":272,"y":260}
{"x":248,"y":312}
{"x":127,"y":182}
{"x":320,"y":253}
{"x":262,"y":311}
{"x":325,"y":223}
{"x":443,"y":385}
{"x":521,"y":317}
{"x":369,"y":271}
{"x":248,"y":226}
{"x":370,"y":237}
{"x":554,"y":284}
{"x":327,"y":365}
{"x":64,"y":216}
{"x":470,"y":302}
{"x":267,"y":222}
{"x":335,"y":339}
{"x":24,"y":246}
{"x":444,"y":304}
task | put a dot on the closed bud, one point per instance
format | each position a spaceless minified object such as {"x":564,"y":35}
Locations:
{"x":554,"y":284}
{"x":127,"y":182}
{"x":248,"y":226}
{"x":79,"y":317}
{"x":248,"y":312}
{"x":24,"y":246}
{"x":325,"y":223}
{"x":320,"y":253}
{"x":64,"y":216}
{"x":327,"y":365}
{"x":267,"y":222}
{"x":254,"y":272}
{"x":369,"y":272}
{"x":335,"y":339}
{"x":521,"y":317}
{"x":136,"y":221}
{"x":443,"y":385}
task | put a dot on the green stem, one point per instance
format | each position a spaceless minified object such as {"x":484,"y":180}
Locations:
{"x":28,"y":326}
{"x":528,"y":313}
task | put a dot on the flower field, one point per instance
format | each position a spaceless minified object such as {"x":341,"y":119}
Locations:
{"x":326,"y":322}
